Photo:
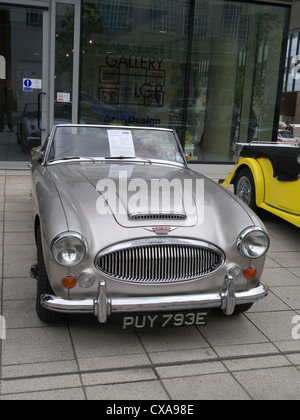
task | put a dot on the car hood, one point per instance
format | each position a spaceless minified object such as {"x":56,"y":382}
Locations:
{"x":204,"y":210}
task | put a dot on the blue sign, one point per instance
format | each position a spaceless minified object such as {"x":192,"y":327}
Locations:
{"x":27,"y":87}
{"x":27,"y":83}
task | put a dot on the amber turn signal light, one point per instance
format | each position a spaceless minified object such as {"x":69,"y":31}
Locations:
{"x":250,"y":273}
{"x":69,"y":282}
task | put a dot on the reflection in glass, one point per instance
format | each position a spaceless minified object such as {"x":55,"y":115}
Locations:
{"x":64,"y":50}
{"x":2,"y":67}
{"x":21,"y":35}
{"x":210,"y":69}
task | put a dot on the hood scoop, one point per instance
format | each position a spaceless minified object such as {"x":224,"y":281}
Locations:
{"x":157,"y":216}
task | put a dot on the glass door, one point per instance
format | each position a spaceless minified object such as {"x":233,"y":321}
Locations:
{"x":39,"y":73}
{"x":23,"y":30}
{"x":65,"y":57}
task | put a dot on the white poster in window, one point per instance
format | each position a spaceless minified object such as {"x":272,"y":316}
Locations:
{"x":63,"y":97}
{"x":121,"y":143}
{"x":36,"y":83}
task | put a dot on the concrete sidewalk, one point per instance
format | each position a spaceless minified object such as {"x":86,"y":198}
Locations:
{"x":249,"y":356}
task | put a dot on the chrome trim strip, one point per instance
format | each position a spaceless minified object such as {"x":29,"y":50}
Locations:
{"x":157,"y":241}
{"x":102,"y":309}
{"x":76,"y":306}
{"x":66,"y":235}
{"x":228,"y":296}
{"x":165,"y":303}
{"x":69,"y":234}
{"x":269,"y":144}
{"x":112,"y":127}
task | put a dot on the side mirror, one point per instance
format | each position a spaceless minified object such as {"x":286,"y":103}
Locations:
{"x":37,"y":154}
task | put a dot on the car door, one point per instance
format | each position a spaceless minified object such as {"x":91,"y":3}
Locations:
{"x":282,"y":195}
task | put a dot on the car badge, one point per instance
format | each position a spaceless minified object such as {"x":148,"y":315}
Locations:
{"x":161,"y":230}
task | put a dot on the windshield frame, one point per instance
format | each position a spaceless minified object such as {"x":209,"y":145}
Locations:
{"x":111,"y":159}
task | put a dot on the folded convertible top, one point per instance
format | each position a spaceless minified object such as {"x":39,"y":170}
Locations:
{"x":284,"y":159}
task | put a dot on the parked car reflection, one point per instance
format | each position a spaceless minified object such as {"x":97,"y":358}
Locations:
{"x":28,"y":131}
{"x":91,"y":109}
{"x":285,"y":136}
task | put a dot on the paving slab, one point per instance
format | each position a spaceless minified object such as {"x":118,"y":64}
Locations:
{"x":216,"y":386}
{"x":282,"y":383}
{"x":146,"y":390}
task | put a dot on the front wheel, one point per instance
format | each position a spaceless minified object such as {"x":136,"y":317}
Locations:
{"x":239,"y":309}
{"x":43,"y":286}
{"x":244,"y":188}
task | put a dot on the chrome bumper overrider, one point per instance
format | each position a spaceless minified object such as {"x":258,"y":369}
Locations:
{"x":103,"y":306}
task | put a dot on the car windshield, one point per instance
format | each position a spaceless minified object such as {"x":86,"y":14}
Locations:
{"x":114,"y":142}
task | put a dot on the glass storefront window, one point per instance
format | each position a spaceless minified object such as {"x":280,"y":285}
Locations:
{"x":210,"y":69}
{"x":64,"y":50}
{"x":21,"y":69}
{"x":292,"y":82}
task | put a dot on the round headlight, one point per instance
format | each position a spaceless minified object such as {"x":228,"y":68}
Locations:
{"x":69,"y":249}
{"x":253,"y":242}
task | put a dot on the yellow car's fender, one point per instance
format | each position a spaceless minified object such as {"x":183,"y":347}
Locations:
{"x":257,"y":173}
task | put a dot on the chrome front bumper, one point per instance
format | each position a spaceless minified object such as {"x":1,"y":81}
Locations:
{"x":103,"y":306}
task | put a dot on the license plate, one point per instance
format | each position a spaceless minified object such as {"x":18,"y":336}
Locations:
{"x":175,"y":319}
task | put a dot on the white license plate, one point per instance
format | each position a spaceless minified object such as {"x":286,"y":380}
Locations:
{"x":164,"y":320}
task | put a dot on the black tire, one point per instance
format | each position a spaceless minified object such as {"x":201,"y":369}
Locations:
{"x":244,"y":188}
{"x":44,"y":287}
{"x":239,"y":309}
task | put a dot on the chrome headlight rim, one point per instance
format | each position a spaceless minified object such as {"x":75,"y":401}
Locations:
{"x":69,"y":236}
{"x":243,"y":237}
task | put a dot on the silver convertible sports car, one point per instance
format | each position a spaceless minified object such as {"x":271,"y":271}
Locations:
{"x":124,"y":227}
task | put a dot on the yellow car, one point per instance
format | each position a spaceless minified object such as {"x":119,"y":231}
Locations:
{"x":267,"y":176}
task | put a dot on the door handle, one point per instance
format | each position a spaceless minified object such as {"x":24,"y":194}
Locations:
{"x":39,"y":109}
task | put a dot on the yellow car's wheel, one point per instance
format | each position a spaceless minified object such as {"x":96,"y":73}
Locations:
{"x":244,"y":188}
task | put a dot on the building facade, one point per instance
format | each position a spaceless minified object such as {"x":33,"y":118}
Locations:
{"x":211,"y":69}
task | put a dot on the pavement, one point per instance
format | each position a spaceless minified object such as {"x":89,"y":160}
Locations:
{"x":251,"y":356}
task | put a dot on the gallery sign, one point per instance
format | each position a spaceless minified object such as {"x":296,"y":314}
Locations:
{"x":133,"y":79}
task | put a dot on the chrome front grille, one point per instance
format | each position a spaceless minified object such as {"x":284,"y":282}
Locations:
{"x":159,"y":261}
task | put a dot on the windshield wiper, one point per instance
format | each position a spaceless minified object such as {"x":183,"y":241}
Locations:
{"x":105,"y":158}
{"x":120,"y":157}
{"x":73,"y":157}
{"x":128,"y":158}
